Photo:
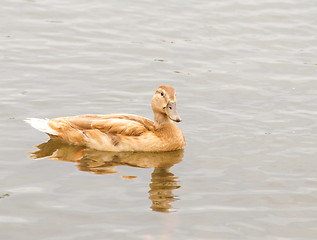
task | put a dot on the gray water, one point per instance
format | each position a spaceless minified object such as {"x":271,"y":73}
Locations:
{"x":245,"y":75}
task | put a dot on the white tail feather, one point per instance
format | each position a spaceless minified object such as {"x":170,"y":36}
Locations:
{"x":41,"y":125}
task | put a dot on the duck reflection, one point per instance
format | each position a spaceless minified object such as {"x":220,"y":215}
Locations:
{"x":163,"y":182}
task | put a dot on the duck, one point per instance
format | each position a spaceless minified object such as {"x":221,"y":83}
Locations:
{"x":121,"y":132}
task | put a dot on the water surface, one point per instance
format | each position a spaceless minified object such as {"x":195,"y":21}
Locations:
{"x":245,"y":76}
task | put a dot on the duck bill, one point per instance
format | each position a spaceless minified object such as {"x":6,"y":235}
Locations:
{"x":171,"y":112}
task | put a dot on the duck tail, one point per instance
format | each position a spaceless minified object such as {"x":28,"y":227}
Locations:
{"x":41,"y":125}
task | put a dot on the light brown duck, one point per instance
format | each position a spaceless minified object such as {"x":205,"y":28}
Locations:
{"x":121,"y":132}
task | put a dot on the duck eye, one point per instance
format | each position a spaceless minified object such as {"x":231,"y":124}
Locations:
{"x":162,"y":94}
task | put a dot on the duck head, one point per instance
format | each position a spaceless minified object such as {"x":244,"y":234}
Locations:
{"x":164,"y":105}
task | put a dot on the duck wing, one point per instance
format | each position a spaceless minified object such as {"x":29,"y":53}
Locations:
{"x":104,"y":132}
{"x":128,"y":125}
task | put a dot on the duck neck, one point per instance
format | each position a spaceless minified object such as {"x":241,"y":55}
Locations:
{"x":161,"y":119}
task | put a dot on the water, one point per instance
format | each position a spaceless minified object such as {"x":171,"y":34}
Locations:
{"x":245,"y":76}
